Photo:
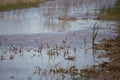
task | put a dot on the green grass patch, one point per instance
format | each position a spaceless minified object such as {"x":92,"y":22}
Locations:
{"x":112,"y":13}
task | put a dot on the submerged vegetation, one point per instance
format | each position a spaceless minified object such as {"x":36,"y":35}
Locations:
{"x":111,"y":13}
{"x":18,"y":4}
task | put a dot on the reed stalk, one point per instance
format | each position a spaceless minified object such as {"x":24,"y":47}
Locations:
{"x":94,"y":34}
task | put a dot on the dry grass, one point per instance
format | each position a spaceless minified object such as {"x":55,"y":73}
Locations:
{"x":112,"y":13}
{"x":18,"y":4}
{"x":6,"y":2}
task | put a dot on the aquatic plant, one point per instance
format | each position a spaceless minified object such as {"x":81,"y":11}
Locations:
{"x":11,"y":57}
{"x":84,"y":40}
{"x":74,"y":49}
{"x":94,"y":34}
{"x":2,"y":57}
{"x":85,"y":44}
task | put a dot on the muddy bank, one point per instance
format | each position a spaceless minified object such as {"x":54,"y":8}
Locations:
{"x":107,"y":70}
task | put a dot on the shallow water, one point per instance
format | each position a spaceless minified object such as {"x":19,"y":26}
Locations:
{"x":45,"y":18}
{"x":36,"y":45}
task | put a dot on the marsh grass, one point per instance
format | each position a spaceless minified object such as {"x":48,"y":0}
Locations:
{"x":85,"y":44}
{"x":18,"y":4}
{"x":94,"y":33}
{"x":111,"y":13}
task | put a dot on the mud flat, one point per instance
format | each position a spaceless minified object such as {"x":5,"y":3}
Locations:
{"x":107,"y":70}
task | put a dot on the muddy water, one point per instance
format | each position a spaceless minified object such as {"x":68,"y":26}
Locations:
{"x":36,"y":44}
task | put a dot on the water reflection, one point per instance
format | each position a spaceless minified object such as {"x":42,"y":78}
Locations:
{"x":46,"y":17}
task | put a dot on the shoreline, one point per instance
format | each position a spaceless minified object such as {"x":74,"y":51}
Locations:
{"x":107,"y":70}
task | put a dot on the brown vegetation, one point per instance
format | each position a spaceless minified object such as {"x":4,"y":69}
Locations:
{"x":112,"y":13}
{"x":107,"y":70}
{"x":6,"y":2}
{"x":18,"y":4}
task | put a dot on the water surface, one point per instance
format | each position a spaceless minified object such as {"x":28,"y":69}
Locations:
{"x":36,"y":45}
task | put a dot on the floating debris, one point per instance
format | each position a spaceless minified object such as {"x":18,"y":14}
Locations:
{"x":64,"y":41}
{"x":72,"y":58}
{"x":67,"y":18}
{"x":12,"y":77}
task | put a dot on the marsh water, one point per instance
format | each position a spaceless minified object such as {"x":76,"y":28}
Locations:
{"x":52,"y":41}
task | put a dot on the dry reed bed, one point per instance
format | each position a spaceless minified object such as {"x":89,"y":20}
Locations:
{"x":6,"y":2}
